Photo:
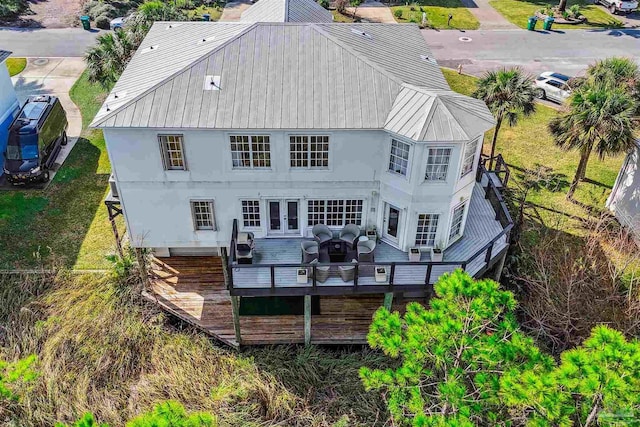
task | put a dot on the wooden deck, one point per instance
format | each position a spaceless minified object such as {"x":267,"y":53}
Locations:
{"x":193,"y":289}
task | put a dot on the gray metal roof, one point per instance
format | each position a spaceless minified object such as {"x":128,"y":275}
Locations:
{"x":286,"y":11}
{"x":290,"y":76}
{"x":436,"y":115}
{"x":4,"y":54}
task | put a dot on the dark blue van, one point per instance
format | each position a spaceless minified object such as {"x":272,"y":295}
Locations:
{"x":36,"y":136}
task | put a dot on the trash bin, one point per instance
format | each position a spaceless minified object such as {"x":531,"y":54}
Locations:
{"x":86,"y":24}
{"x":548,"y":22}
{"x":531,"y":24}
{"x":206,"y":17}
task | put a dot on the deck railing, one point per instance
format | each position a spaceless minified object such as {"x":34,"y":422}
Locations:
{"x":280,"y":278}
{"x":498,"y":166}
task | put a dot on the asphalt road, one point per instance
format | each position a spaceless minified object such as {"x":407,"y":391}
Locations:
{"x":66,"y":42}
{"x":567,"y":52}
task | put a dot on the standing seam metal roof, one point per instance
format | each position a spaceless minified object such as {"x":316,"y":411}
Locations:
{"x":292,"y":76}
{"x":4,"y":54}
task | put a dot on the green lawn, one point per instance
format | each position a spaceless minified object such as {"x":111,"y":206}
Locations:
{"x":529,"y":144}
{"x":196,"y":14}
{"x":518,"y":11}
{"x":339,"y":17}
{"x":67,"y":223}
{"x":15,"y":65}
{"x":438,"y":13}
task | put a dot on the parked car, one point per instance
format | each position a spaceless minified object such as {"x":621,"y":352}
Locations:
{"x":117,"y":23}
{"x":553,"y":86}
{"x":36,"y":136}
{"x":622,"y":6}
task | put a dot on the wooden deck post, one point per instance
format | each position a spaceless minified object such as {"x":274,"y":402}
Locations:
{"x":235,"y":310}
{"x":388,"y":300}
{"x":499,"y":267}
{"x":307,"y":319}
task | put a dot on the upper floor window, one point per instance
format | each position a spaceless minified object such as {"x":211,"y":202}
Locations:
{"x":309,"y":151}
{"x":469,"y":156}
{"x":427,"y":228}
{"x":250,"y":151}
{"x":438,"y":164}
{"x":334,"y":213}
{"x":251,"y":213}
{"x":202,"y":213}
{"x":399,"y":157}
{"x":172,"y":149}
{"x":456,"y":222}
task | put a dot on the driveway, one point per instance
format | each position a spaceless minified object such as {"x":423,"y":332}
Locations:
{"x":488,"y":17}
{"x":374,"y":11}
{"x":232,"y":11}
{"x":52,"y":76}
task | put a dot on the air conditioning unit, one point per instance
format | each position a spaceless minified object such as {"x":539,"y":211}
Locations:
{"x":113,"y":186}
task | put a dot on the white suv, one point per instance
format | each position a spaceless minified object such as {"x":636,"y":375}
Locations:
{"x":619,"y":5}
{"x":553,"y":86}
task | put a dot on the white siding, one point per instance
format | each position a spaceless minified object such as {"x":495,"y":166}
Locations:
{"x":624,"y":200}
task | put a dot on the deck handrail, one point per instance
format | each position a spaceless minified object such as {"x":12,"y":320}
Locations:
{"x":498,"y":166}
{"x":492,"y":194}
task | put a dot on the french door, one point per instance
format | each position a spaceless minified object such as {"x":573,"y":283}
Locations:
{"x":284,"y":217}
{"x":391,"y":230}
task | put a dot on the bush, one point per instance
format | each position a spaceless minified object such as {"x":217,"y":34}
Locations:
{"x":101,"y":9}
{"x":398,"y":13}
{"x":575,"y":10}
{"x":103,"y":21}
{"x":324,"y":3}
{"x":11,"y":8}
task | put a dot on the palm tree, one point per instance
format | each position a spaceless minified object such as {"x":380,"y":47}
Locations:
{"x":508,"y":93}
{"x":599,"y":118}
{"x":108,"y":58}
{"x":616,"y":72}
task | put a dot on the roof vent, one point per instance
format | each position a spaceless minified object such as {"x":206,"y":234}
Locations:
{"x":117,"y":95}
{"x":211,"y":83}
{"x":428,"y":59}
{"x":149,"y":49}
{"x":361,"y":33}
{"x":206,"y":39}
{"x":173,"y":25}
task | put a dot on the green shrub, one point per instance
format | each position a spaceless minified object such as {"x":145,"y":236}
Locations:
{"x":575,"y":10}
{"x":398,"y":13}
{"x":11,"y":8}
{"x":324,"y":3}
{"x":103,"y":21}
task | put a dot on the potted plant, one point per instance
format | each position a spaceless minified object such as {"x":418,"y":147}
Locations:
{"x":381,"y":274}
{"x":436,"y":252}
{"x":414,"y":254}
{"x":302,"y":276}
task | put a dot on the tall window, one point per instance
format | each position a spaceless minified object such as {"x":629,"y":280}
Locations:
{"x":469,"y":156}
{"x":251,"y":213}
{"x":438,"y":164}
{"x":334,"y":213}
{"x":171,"y":147}
{"x":250,"y":151}
{"x":309,"y":151}
{"x":427,"y":227}
{"x":399,"y":158}
{"x":456,"y":221}
{"x":202,"y":212}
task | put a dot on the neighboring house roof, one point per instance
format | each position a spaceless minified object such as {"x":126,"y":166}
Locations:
{"x":286,"y":11}
{"x":291,"y":76}
{"x":4,"y":54}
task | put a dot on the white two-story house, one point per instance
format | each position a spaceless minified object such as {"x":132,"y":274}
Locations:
{"x":278,"y":127}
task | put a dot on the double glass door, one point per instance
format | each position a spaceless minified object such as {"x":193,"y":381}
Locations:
{"x":284,"y":217}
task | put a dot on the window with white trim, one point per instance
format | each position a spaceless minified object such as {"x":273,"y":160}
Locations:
{"x":309,"y":151}
{"x":250,"y":151}
{"x":251,"y":213}
{"x":468,"y":160}
{"x":334,"y":213}
{"x":456,"y":221}
{"x":202,"y":212}
{"x":427,"y":228}
{"x":399,"y":157}
{"x":437,"y":164}
{"x":172,"y":149}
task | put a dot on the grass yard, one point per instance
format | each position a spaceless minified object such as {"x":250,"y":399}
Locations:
{"x":340,"y":17}
{"x":437,"y":14}
{"x":66,"y":224}
{"x":529,"y":144}
{"x":15,"y":65}
{"x":196,"y":14}
{"x":518,"y":11}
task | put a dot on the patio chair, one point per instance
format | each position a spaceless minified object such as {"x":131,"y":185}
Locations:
{"x":348,"y":272}
{"x":322,"y":271}
{"x":349,"y":234}
{"x":310,"y":251}
{"x":366,"y":251}
{"x":244,"y":248}
{"x":322,"y":234}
